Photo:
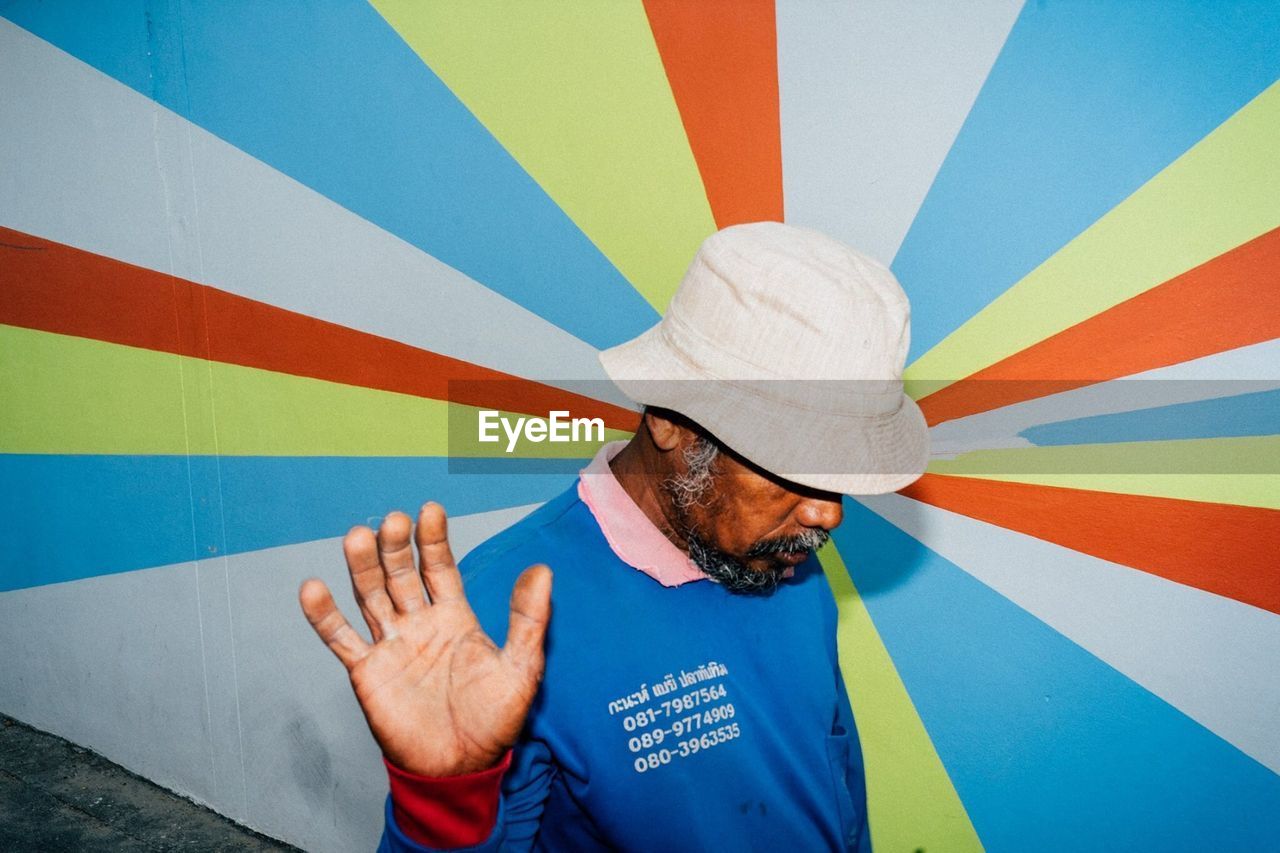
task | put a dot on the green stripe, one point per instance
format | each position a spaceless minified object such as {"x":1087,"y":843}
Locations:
{"x":547,"y":80}
{"x":911,"y":802}
{"x":64,"y":394}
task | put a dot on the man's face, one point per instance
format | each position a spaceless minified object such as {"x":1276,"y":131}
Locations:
{"x":746,"y":527}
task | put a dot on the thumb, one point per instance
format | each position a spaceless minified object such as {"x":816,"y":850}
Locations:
{"x":530,"y":613}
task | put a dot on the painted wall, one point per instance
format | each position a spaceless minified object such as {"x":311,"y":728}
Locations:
{"x":244,"y":247}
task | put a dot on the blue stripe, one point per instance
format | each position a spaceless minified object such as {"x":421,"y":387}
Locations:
{"x":1086,"y":102}
{"x":72,"y":517}
{"x":330,"y":95}
{"x":1240,"y":415}
{"x":1049,"y":748}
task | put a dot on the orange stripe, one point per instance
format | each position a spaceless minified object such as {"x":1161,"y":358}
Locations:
{"x":57,"y":288}
{"x":1227,"y":550}
{"x":1228,"y":302}
{"x":721,"y":60}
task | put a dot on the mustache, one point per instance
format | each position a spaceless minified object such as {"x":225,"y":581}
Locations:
{"x":810,"y":540}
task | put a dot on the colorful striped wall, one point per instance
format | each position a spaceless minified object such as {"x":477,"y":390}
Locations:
{"x":245,"y":249}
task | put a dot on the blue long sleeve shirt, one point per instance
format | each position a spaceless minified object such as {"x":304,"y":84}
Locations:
{"x":669,"y":718}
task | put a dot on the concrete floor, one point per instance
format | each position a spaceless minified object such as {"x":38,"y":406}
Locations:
{"x":56,"y":796}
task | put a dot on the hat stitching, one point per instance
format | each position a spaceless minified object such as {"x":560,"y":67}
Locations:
{"x":697,"y":368}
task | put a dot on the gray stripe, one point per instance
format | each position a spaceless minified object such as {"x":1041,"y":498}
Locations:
{"x":873,"y":94}
{"x":1210,"y":657}
{"x":142,"y":668}
{"x":1236,"y":371}
{"x":150,"y":188}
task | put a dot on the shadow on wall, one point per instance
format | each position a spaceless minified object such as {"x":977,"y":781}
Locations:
{"x":309,"y":756}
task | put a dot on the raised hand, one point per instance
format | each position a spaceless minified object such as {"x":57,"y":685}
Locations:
{"x":440,"y":697}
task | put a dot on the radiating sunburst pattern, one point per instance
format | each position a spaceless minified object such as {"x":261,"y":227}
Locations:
{"x":246,"y":247}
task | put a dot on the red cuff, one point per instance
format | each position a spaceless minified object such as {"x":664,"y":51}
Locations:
{"x":447,"y":811}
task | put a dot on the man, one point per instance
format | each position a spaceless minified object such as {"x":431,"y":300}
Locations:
{"x":688,"y":696}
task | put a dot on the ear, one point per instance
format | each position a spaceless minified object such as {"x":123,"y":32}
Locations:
{"x":665,"y":432}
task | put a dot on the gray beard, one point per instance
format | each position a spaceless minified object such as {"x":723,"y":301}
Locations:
{"x":735,"y":575}
{"x":696,"y":485}
{"x":730,"y":572}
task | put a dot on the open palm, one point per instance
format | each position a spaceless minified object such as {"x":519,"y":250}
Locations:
{"x":440,"y":697}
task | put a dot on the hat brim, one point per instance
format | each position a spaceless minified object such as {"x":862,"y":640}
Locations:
{"x":828,"y":450}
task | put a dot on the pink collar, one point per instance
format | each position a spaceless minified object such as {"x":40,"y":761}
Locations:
{"x":630,"y":533}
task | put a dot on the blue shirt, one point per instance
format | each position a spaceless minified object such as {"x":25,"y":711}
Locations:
{"x":669,"y":718}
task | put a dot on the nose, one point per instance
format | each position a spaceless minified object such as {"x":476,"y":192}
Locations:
{"x":826,"y":513}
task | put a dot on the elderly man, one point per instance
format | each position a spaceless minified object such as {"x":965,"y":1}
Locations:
{"x":686,"y":695}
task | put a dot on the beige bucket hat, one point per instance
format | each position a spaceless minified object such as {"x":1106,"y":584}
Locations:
{"x":789,"y":347}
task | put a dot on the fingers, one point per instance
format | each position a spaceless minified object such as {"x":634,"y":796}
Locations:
{"x":329,"y":623}
{"x":439,"y":571}
{"x":382,"y":567}
{"x":530,"y":613}
{"x":396,"y":555}
{"x":368,"y":581}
